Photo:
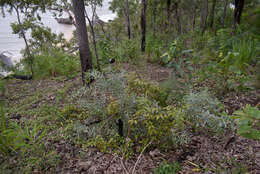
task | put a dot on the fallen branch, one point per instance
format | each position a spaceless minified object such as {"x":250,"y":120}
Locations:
{"x":138,"y":159}
{"x":123,"y":164}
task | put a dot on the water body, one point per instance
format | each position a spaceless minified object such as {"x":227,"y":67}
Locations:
{"x":12,"y":44}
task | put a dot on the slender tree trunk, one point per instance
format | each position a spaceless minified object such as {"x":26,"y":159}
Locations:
{"x":168,"y":11}
{"x":212,"y":14}
{"x":81,"y":27}
{"x":224,"y":13}
{"x":194,"y":15}
{"x":204,"y":16}
{"x":178,"y":17}
{"x":194,"y":19}
{"x":239,"y":5}
{"x":27,"y":48}
{"x":128,"y":20}
{"x":143,"y":25}
{"x":154,"y":20}
{"x":93,"y":34}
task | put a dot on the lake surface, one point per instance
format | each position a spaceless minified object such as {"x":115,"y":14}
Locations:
{"x":13,"y":44}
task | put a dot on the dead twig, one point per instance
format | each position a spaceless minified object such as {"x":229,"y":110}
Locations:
{"x":123,"y":164}
{"x":138,"y":159}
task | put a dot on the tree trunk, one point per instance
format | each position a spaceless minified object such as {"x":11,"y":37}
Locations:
{"x":81,"y":27}
{"x":93,"y":34}
{"x":194,"y":19}
{"x":128,"y":20}
{"x":168,"y":11}
{"x":204,"y":16}
{"x":239,"y":5}
{"x":224,"y":13}
{"x":154,"y":21}
{"x":212,"y":14}
{"x":194,"y":15}
{"x":177,"y":17}
{"x":27,"y":49}
{"x":143,"y":25}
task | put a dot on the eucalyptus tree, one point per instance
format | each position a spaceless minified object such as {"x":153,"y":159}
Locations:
{"x":93,"y":4}
{"x":204,"y":15}
{"x":177,"y":14}
{"x":224,"y":13}
{"x":143,"y":25}
{"x":239,"y":6}
{"x":169,"y":2}
{"x":128,"y":19}
{"x":81,"y":27}
{"x":212,"y":14}
{"x":30,"y":10}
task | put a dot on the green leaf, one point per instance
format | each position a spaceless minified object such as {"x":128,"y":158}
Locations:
{"x":244,"y":129}
{"x":251,"y":134}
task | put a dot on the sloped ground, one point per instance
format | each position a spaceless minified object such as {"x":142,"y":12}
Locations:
{"x":204,"y":154}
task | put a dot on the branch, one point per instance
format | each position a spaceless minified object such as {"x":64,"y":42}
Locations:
{"x":140,"y":157}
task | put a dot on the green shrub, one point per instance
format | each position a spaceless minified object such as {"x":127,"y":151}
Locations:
{"x":203,"y":112}
{"x":155,"y":124}
{"x":135,"y":103}
{"x":106,"y":50}
{"x":55,"y":63}
{"x":11,"y":137}
{"x":241,"y":55}
{"x":166,"y":168}
{"x":15,"y":139}
{"x":154,"y":49}
{"x":128,"y":51}
{"x":143,"y":88}
{"x":228,"y":61}
{"x":248,"y":122}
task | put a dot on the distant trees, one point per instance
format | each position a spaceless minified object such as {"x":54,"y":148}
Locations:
{"x":81,"y":27}
{"x":174,"y":16}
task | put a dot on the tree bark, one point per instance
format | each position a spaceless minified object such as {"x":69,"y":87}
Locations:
{"x":224,"y":13}
{"x":81,"y":27}
{"x":239,"y":5}
{"x":204,"y":16}
{"x":212,"y":14}
{"x":128,"y":20}
{"x":143,"y":25}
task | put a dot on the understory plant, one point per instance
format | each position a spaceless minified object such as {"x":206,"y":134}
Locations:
{"x":140,"y":105}
{"x":204,"y":112}
{"x":26,"y":143}
{"x":229,"y":61}
{"x":248,"y":122}
{"x":55,"y":63}
{"x":168,"y":168}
